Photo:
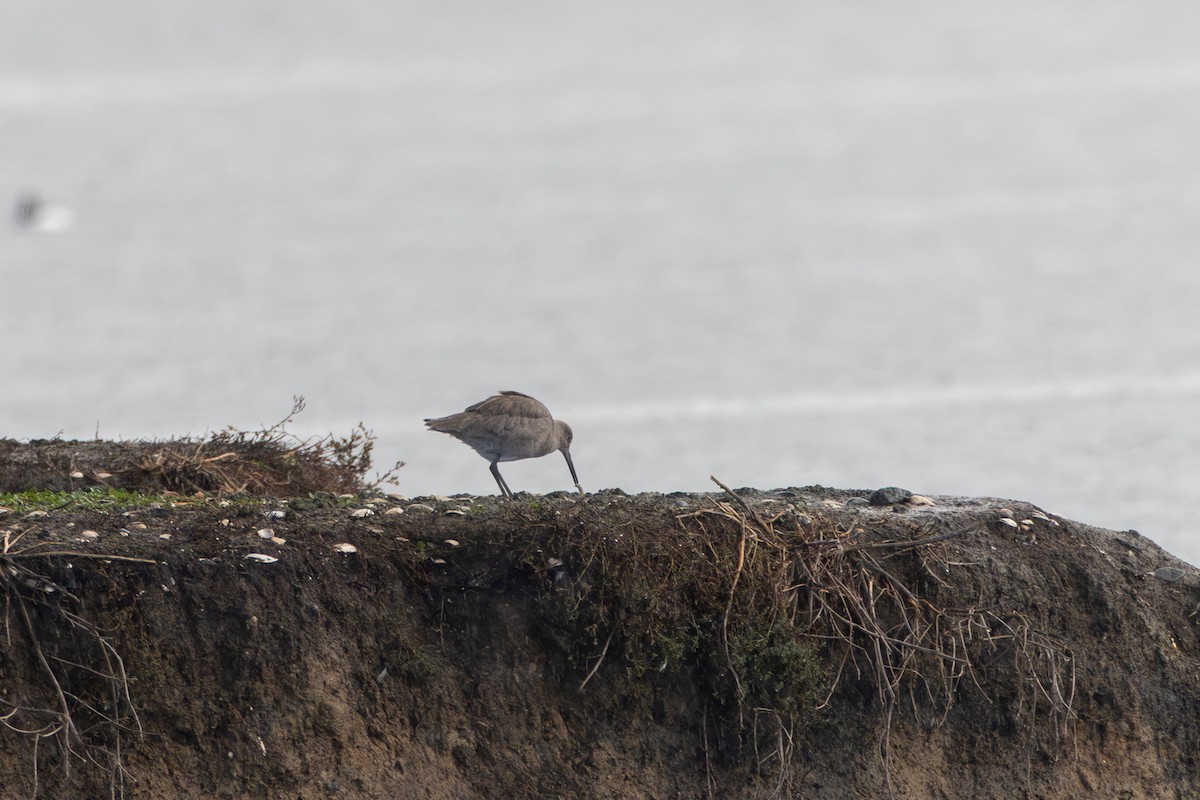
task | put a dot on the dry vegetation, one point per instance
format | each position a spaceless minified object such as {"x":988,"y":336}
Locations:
{"x":271,"y":462}
{"x":770,"y":616}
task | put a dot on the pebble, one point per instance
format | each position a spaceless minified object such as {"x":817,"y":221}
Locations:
{"x":345,"y":547}
{"x":921,"y":500}
{"x":1170,"y":574}
{"x":421,"y":507}
{"x":889,"y":495}
{"x":394,"y":510}
{"x":90,"y":536}
{"x":76,"y":474}
{"x":265,"y":533}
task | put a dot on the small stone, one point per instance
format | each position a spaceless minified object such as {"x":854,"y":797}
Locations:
{"x":77,"y":475}
{"x":857,"y":502}
{"x":394,"y":510}
{"x":1170,"y":574}
{"x":90,"y":536}
{"x":421,"y":507}
{"x":265,"y":533}
{"x":359,"y":513}
{"x":889,"y":495}
{"x":345,"y":547}
{"x":138,"y":526}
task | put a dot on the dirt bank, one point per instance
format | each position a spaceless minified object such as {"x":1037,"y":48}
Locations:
{"x":795,"y":643}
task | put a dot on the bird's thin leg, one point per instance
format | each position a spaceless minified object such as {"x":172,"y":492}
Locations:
{"x":500,"y":481}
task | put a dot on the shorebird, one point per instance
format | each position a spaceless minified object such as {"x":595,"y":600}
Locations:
{"x":33,"y":214}
{"x":509,"y":426}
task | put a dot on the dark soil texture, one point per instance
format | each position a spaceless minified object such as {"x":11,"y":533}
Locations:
{"x":649,"y":646}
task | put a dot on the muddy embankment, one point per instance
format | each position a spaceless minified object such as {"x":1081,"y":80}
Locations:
{"x":800,"y":642}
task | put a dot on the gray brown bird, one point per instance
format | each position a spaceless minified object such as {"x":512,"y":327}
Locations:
{"x":509,"y":426}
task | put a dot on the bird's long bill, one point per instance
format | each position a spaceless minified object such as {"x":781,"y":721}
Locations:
{"x":571,"y":466}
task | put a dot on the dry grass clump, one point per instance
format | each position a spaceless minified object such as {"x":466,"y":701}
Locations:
{"x":771,"y":618}
{"x":268,"y":462}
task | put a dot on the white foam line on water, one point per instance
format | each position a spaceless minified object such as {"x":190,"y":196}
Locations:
{"x":856,"y":401}
{"x":894,"y":398}
{"x":251,"y":84}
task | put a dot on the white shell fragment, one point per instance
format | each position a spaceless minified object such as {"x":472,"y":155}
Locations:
{"x":261,"y":558}
{"x":1009,"y":521}
{"x":37,"y":514}
{"x":76,"y":474}
{"x":277,"y":514}
{"x":394,"y":510}
{"x":359,"y":513}
{"x":164,"y":536}
{"x":278,"y":540}
{"x":920,"y":500}
{"x":345,"y":547}
{"x":265,"y":533}
{"x":452,"y":542}
{"x":421,"y":507}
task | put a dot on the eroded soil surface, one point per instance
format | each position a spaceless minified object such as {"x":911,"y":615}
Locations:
{"x":475,"y":648}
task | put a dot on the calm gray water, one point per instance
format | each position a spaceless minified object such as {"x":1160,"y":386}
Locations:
{"x":928,"y":245}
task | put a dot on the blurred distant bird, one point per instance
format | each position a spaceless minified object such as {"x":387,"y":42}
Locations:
{"x":509,"y":426}
{"x":32,"y":213}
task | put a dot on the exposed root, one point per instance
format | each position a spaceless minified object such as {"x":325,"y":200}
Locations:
{"x":872,"y":624}
{"x":75,"y":721}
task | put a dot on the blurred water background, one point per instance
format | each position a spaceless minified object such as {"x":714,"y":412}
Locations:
{"x":946,"y":246}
